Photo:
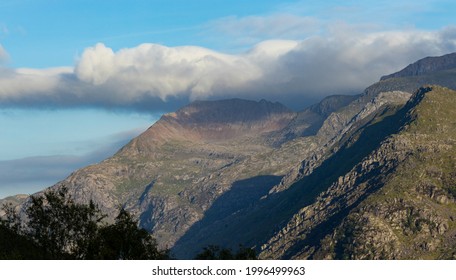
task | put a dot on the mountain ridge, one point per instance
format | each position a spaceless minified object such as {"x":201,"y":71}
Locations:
{"x":214,"y":121}
{"x":425,"y":66}
{"x":349,"y":193}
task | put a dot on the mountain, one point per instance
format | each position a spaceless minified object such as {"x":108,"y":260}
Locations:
{"x":426,"y":66}
{"x":366,"y":176}
{"x":171,"y":174}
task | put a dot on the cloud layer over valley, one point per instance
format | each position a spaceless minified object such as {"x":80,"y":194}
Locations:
{"x":152,"y":76}
{"x":29,"y":174}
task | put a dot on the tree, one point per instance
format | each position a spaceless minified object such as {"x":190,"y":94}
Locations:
{"x":11,"y":219}
{"x":245,"y":253}
{"x":123,"y":240}
{"x":58,"y":228}
{"x":14,"y":246}
{"x":63,"y":228}
{"x":212,"y":252}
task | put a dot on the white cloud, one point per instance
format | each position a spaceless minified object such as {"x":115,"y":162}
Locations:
{"x":159,"y":71}
{"x":345,"y":60}
{"x":253,"y":29}
{"x":96,"y":65}
{"x":348,"y":61}
{"x":21,"y":85}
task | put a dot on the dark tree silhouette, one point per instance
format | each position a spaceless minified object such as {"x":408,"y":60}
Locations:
{"x":212,"y":252}
{"x":123,"y":240}
{"x":14,"y":246}
{"x":58,"y":228}
{"x":63,"y":228}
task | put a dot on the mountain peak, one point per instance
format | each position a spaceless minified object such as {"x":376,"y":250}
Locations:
{"x":227,"y":111}
{"x":215,"y":121}
{"x":425,"y":66}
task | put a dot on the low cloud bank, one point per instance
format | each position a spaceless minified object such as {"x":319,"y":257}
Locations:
{"x":152,"y":76}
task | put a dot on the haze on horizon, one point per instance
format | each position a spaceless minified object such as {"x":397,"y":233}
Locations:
{"x":79,"y":79}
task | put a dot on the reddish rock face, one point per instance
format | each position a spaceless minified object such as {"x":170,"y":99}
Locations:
{"x":215,"y":121}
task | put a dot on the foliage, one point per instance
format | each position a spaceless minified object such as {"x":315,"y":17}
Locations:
{"x":58,"y":228}
{"x":212,"y":252}
{"x":11,"y":219}
{"x":14,"y":246}
{"x":124,"y":240}
{"x":61,"y":226}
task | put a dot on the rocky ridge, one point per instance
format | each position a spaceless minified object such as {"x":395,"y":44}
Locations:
{"x":425,"y":66}
{"x":383,"y":208}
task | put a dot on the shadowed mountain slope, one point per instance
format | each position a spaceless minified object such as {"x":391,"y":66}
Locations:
{"x":397,"y":202}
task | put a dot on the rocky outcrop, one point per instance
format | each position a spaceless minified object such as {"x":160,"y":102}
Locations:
{"x":341,"y":124}
{"x":309,"y":121}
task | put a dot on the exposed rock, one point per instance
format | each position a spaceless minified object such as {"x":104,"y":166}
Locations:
{"x":425,"y":66}
{"x":392,"y":204}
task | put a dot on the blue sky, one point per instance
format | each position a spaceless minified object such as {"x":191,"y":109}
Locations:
{"x":47,"y":33}
{"x":68,"y":27}
{"x":79,"y":78}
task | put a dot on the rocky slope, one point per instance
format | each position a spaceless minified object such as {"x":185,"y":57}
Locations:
{"x":396,"y":202}
{"x":171,"y":174}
